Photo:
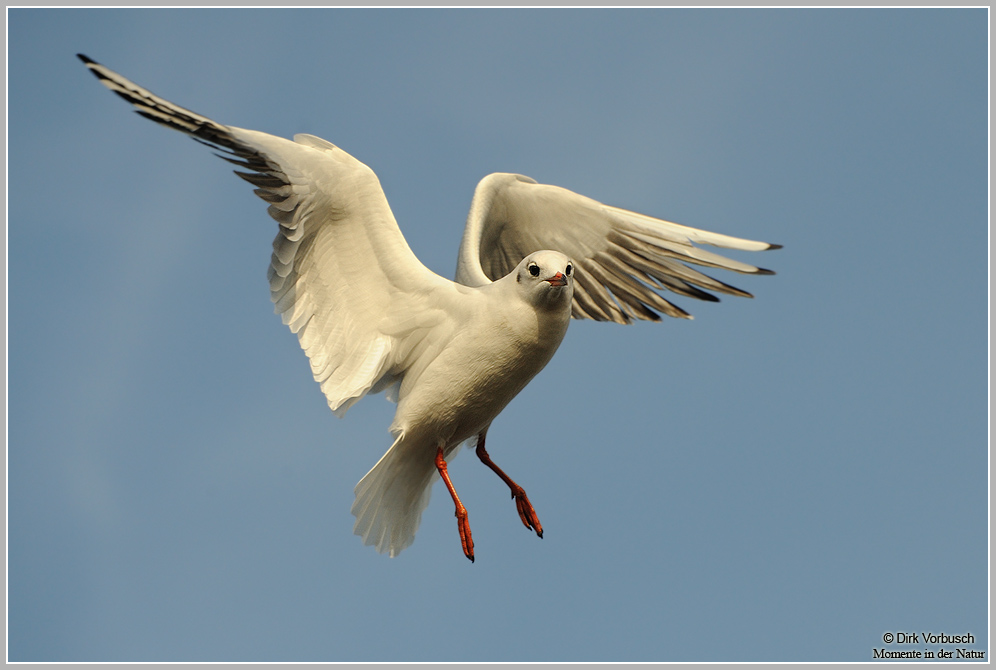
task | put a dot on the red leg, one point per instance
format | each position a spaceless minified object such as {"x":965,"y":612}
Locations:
{"x":466,"y":541}
{"x":522,"y":504}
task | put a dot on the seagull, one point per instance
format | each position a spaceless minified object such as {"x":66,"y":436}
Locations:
{"x":452,"y":354}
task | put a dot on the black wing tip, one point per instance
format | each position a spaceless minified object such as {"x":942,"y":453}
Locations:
{"x":773,"y":246}
{"x":764,"y":271}
{"x":92,"y":65}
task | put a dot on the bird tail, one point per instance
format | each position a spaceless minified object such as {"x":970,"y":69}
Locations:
{"x":391,"y":497}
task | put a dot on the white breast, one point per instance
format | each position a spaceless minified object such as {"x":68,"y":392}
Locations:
{"x":485,"y":364}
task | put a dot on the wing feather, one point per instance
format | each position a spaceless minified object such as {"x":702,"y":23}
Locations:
{"x":341,"y":274}
{"x":623,"y":258}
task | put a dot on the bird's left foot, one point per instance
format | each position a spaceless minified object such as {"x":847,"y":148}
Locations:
{"x":522,"y":504}
{"x":525,"y":509}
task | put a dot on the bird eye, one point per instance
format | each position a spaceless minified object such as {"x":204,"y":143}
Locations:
{"x":534,"y":269}
{"x":569,"y":270}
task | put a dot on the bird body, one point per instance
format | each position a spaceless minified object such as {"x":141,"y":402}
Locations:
{"x":466,"y":381}
{"x":502,"y":343}
{"x":452,"y":354}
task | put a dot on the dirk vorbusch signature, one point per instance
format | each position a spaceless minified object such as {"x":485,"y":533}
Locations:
{"x":929,"y":639}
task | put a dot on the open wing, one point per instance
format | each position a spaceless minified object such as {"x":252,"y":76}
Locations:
{"x":623,"y":258}
{"x":341,"y":275}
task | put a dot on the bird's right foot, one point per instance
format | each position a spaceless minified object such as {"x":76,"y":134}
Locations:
{"x":463,"y":525}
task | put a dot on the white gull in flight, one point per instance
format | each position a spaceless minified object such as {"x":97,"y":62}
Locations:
{"x":371,"y":317}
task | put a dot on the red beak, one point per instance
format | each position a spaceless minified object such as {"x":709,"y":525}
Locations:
{"x":557,"y":280}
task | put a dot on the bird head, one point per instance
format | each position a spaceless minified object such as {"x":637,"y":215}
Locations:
{"x":546,"y":279}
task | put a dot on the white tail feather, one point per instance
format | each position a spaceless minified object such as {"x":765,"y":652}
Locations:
{"x":391,"y":497}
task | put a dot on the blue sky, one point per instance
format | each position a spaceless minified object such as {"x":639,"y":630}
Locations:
{"x":784,"y":478}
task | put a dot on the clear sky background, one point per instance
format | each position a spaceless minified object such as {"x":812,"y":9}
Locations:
{"x":783,"y":478}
